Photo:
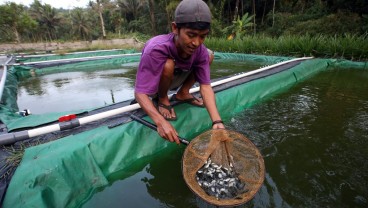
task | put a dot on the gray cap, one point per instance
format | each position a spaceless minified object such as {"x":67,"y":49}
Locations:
{"x":192,"y":11}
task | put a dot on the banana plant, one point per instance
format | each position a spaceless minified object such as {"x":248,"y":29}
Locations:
{"x":238,"y":28}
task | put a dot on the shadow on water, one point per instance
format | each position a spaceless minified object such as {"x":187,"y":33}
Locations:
{"x":314,"y":139}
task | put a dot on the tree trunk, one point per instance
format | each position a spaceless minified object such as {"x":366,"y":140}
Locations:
{"x":236,"y":10}
{"x":16,"y":33}
{"x":273,"y":12}
{"x":101,"y":19}
{"x":49,"y":33}
{"x":264,"y":11}
{"x":254,"y":17}
{"x":151,"y":4}
{"x":221,"y":9}
{"x":169,"y":19}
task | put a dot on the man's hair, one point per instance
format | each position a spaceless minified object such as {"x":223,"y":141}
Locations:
{"x":194,"y":25}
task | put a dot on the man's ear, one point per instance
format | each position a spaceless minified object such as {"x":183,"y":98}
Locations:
{"x":174,"y":28}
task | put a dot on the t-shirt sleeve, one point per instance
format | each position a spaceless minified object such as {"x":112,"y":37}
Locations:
{"x":202,"y":66}
{"x":149,"y":72}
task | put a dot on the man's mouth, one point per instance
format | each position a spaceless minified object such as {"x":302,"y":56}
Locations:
{"x":191,"y":50}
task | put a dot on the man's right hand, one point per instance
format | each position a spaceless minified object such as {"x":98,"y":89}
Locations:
{"x":167,"y":131}
{"x":164,"y":128}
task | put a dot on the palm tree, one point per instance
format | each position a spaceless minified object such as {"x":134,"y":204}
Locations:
{"x":14,"y":18}
{"x":134,"y":12}
{"x":80,"y":23}
{"x":131,"y":7}
{"x":99,"y":7}
{"x":47,"y":18}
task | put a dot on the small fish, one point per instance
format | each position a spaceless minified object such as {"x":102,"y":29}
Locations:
{"x":219,"y":181}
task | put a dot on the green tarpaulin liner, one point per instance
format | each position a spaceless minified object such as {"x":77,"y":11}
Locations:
{"x":68,"y":171}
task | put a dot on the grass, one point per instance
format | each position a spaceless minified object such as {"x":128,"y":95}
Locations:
{"x":15,"y":154}
{"x":349,"y":47}
{"x":11,"y":162}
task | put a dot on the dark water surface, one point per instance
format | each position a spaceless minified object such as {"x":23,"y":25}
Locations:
{"x":314,"y":139}
{"x":92,"y":88}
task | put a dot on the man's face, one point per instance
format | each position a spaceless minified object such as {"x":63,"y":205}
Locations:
{"x":188,"y":40}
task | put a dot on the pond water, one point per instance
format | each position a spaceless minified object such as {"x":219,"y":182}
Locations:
{"x":314,"y":139}
{"x":75,"y":90}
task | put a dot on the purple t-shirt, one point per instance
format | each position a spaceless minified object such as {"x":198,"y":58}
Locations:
{"x":154,"y":56}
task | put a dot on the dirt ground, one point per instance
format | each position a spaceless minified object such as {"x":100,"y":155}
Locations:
{"x":130,"y":43}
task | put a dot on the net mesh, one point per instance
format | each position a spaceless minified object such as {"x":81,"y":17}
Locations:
{"x":226,"y":148}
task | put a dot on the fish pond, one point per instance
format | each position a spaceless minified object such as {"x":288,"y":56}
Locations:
{"x":95,"y":87}
{"x":314,"y":140}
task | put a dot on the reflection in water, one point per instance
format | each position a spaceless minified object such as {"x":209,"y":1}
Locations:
{"x":314,"y":140}
{"x":92,"y":88}
{"x":137,"y":194}
{"x":75,"y":90}
{"x":60,"y":82}
{"x":112,"y":96}
{"x":33,"y":86}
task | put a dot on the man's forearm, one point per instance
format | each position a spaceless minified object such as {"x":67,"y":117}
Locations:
{"x":148,"y":107}
{"x":209,"y":100}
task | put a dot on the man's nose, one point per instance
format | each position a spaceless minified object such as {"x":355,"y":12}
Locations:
{"x":195,"y":41}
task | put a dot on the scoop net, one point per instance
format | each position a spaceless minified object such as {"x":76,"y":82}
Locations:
{"x":231,"y":151}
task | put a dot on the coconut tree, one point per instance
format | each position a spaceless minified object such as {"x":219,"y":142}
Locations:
{"x":117,"y":20}
{"x":80,"y":23}
{"x":47,"y":18}
{"x":99,"y":9}
{"x":134,"y":12}
{"x":131,"y":8}
{"x":99,"y":6}
{"x":14,"y":18}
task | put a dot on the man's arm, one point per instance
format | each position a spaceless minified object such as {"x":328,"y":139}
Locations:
{"x":209,"y":101}
{"x":164,"y":128}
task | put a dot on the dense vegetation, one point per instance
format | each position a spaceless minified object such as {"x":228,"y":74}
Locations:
{"x":302,"y":26}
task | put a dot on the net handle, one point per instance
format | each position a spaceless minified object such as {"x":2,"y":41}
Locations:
{"x":154,"y":127}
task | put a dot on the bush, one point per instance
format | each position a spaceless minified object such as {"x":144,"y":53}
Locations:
{"x":352,"y":47}
{"x":330,"y":25}
{"x":315,"y":24}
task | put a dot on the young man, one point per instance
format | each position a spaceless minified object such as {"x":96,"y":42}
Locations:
{"x":178,"y":59}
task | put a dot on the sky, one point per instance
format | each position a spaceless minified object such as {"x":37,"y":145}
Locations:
{"x":66,"y":4}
